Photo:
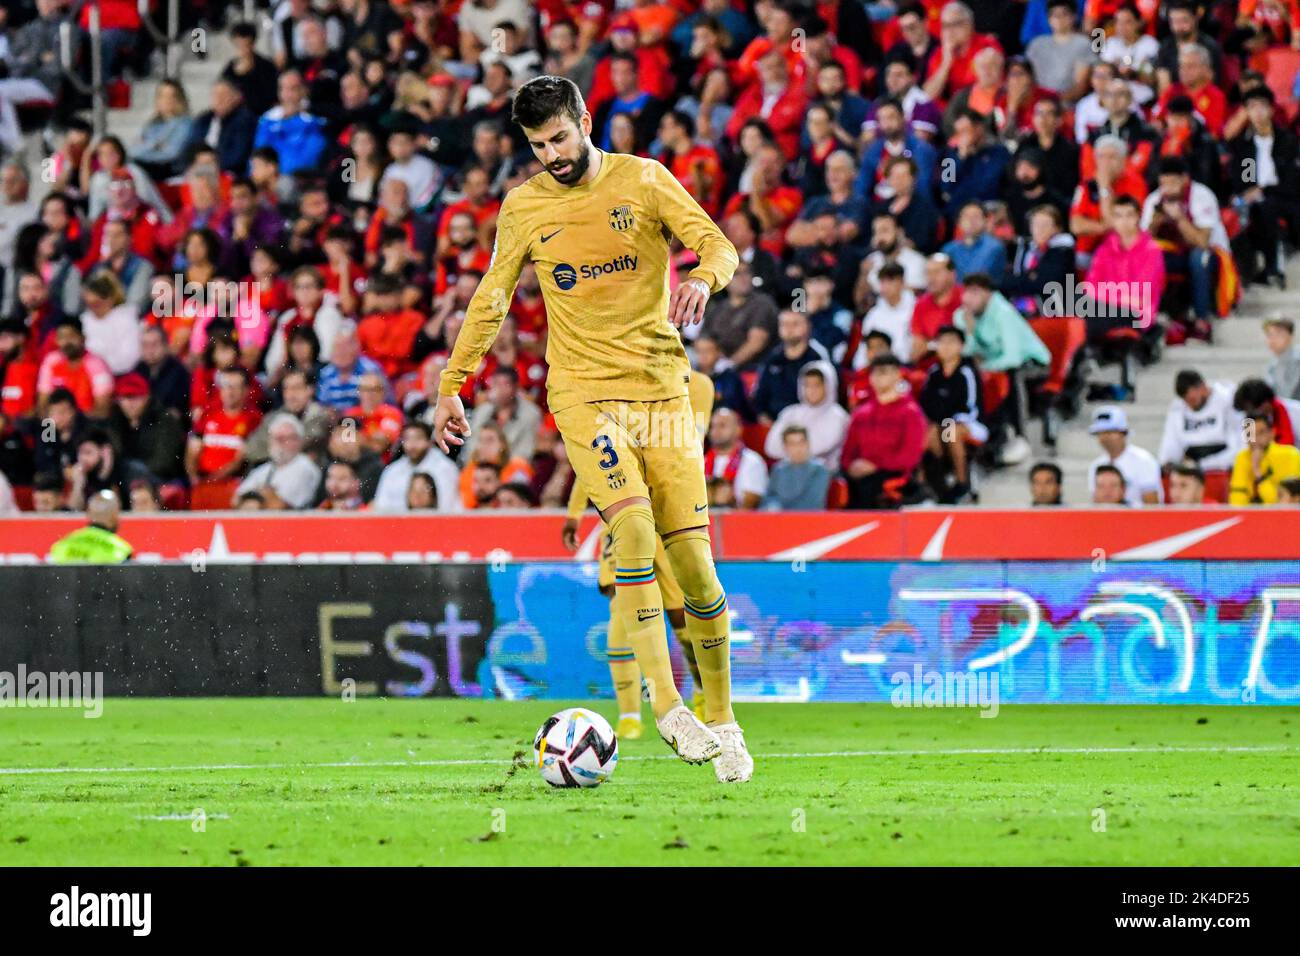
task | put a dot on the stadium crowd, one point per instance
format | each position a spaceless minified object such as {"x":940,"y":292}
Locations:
{"x":946,"y":214}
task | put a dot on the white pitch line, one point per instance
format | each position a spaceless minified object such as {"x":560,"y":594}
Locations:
{"x":830,"y":754}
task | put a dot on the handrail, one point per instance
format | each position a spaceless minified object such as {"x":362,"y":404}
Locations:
{"x":165,"y":39}
{"x":68,"y":60}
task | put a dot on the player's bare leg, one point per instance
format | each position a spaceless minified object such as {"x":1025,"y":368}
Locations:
{"x":708,"y":629}
{"x":638,"y":604}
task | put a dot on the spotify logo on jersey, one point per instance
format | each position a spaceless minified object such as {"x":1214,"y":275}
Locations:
{"x":566,"y":277}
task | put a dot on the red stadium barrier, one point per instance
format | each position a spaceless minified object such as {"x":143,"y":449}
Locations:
{"x":929,"y":534}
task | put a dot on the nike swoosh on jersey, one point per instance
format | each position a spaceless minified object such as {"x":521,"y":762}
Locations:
{"x":546,"y":238}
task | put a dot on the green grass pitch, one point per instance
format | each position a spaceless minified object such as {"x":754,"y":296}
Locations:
{"x":431,"y":782}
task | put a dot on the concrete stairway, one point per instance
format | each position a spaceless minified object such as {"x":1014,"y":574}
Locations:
{"x":1238,"y":352}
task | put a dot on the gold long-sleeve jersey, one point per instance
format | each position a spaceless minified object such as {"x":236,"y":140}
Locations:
{"x":701,"y":394}
{"x":601,"y":253}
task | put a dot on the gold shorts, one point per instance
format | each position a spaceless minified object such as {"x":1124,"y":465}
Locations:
{"x":652,"y":450}
{"x":669,"y":589}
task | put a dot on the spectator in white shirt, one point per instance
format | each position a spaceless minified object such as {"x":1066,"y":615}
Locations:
{"x":736,"y":475}
{"x":418,"y":454}
{"x":112,"y":327}
{"x":417,"y":171}
{"x":892,"y":313}
{"x":1201,"y":424}
{"x":888,"y":244}
{"x":1139,"y":467}
{"x":290,"y":478}
{"x":823,"y":420}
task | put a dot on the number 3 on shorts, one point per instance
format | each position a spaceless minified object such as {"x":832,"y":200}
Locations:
{"x":603,"y":445}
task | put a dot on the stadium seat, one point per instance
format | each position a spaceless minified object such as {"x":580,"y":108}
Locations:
{"x":1216,"y":487}
{"x":1064,"y":336}
{"x":837,"y":495}
{"x":174,"y":497}
{"x":213,"y":495}
{"x":755,"y":437}
{"x":1123,"y":343}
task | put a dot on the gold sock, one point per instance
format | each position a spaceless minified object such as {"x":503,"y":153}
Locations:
{"x":688,"y":652}
{"x":623,"y":668}
{"x":707,"y":624}
{"x":639,"y":605}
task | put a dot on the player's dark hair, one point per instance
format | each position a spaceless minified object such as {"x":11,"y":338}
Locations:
{"x":1128,"y":202}
{"x":1186,"y":380}
{"x":268,"y":154}
{"x":980,"y":280}
{"x":1188,"y":470}
{"x":508,"y":371}
{"x":1292,"y":486}
{"x":887,"y":360}
{"x":953,"y":331}
{"x":793,"y":430}
{"x":348,"y":465}
{"x":546,"y":97}
{"x":882,"y":336}
{"x":890,"y":270}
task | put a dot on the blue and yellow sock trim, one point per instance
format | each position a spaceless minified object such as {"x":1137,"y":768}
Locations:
{"x":709,"y":612}
{"x":621,"y":655}
{"x":628,"y":577}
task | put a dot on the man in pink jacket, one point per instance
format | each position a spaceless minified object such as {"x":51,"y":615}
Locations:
{"x":886,"y":437}
{"x":1126,"y":277}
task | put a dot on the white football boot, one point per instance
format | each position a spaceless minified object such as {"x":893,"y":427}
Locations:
{"x":734,"y":764}
{"x":688,"y":736}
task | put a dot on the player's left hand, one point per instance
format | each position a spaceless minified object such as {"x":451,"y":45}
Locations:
{"x":686,"y":305}
{"x":449,"y":418}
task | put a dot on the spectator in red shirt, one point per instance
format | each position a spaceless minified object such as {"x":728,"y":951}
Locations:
{"x":145,"y":224}
{"x":18,"y":371}
{"x":460,"y":249}
{"x":885,"y":440}
{"x":695,"y":165}
{"x":935,"y":308}
{"x":72,"y":367}
{"x":1090,"y":212}
{"x":772,"y":203}
{"x":1196,"y":82}
{"x":476,"y":200}
{"x":778,"y":99}
{"x":951,"y":67}
{"x":215,"y":451}
{"x":388,"y":331}
{"x":780,"y":23}
{"x":380,"y":423}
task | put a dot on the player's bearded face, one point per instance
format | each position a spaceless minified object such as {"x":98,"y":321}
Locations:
{"x":568,"y":159}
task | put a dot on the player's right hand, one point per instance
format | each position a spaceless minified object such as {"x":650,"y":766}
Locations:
{"x":569,"y":535}
{"x":449,"y":421}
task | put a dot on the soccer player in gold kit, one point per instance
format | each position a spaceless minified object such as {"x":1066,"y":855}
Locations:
{"x":596,"y":225}
{"x":623,"y":669}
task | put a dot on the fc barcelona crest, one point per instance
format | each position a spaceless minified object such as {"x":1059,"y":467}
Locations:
{"x":620,"y":218}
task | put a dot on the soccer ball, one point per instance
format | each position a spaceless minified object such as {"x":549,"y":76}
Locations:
{"x":575,"y":748}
